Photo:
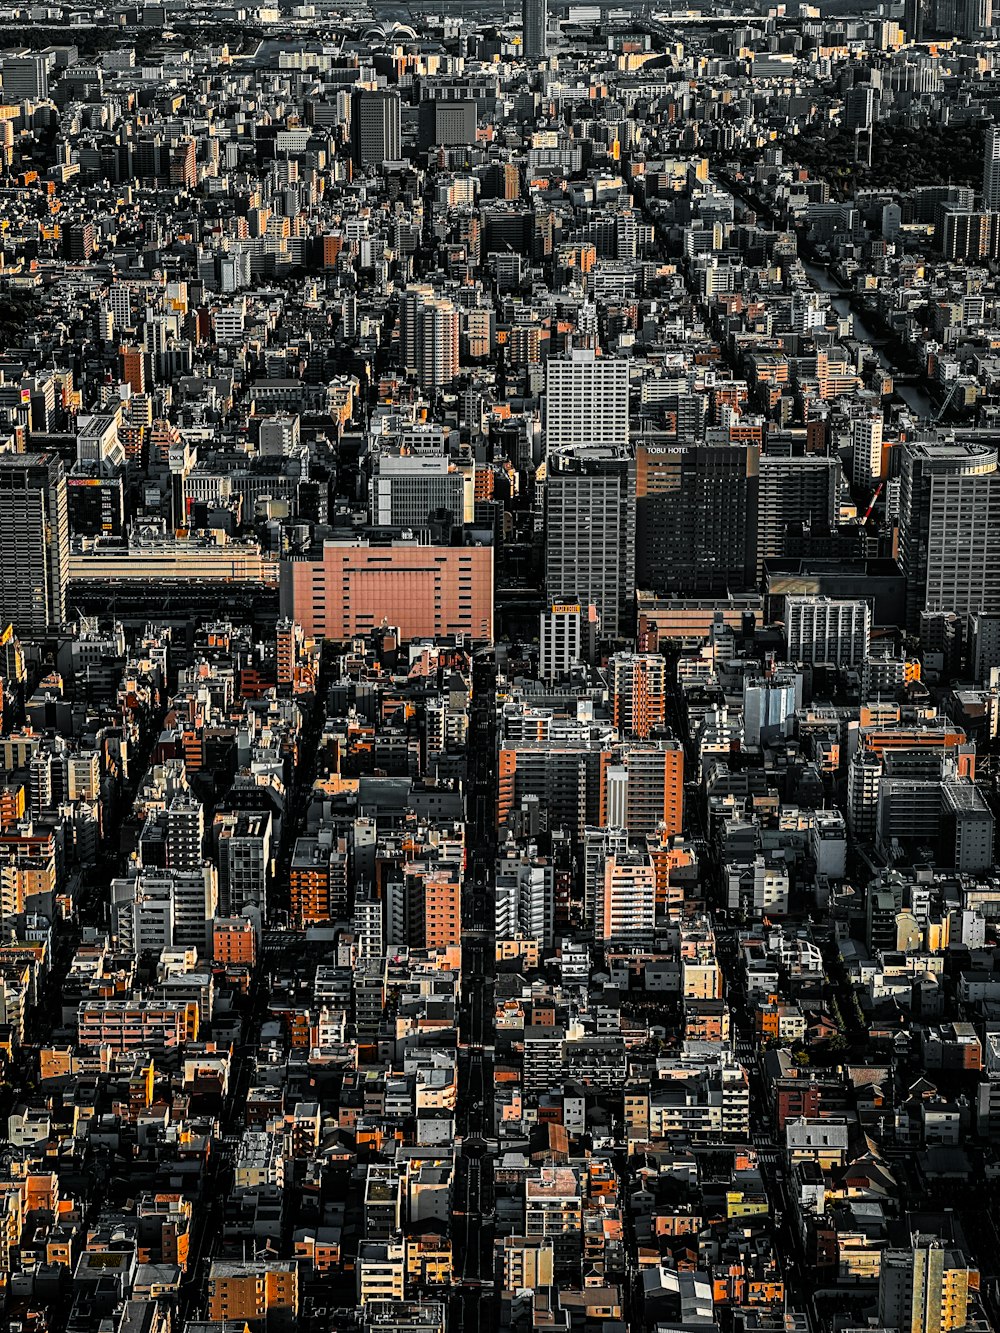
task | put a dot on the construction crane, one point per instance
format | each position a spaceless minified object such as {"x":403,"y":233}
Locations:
{"x":956,"y":384}
{"x":872,"y":503}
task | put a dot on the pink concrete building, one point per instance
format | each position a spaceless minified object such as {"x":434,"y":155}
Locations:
{"x":424,"y":590}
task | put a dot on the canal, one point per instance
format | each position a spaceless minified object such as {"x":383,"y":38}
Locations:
{"x":916,"y":399}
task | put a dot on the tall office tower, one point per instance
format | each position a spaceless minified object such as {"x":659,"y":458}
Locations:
{"x":407,"y":489}
{"x":917,"y":16}
{"x":972,"y":17}
{"x":34,"y":542}
{"x":535,"y":29}
{"x":794,"y":491}
{"x":991,"y":170}
{"x":866,"y":451}
{"x":590,"y":532}
{"x":443,"y":123}
{"x":25,"y":77}
{"x":638,"y":689}
{"x":696,"y":519}
{"x":626,"y":903}
{"x":429,"y":336}
{"x":924,"y":1289}
{"x":825,"y":629}
{"x":949,"y":529}
{"x":859,"y":107}
{"x":984,"y":646}
{"x":586,"y":402}
{"x":375,"y":127}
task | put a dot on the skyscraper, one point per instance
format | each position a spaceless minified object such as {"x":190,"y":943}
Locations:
{"x":917,"y":17}
{"x":696,"y":518}
{"x":375,"y":127}
{"x":535,"y":22}
{"x":991,"y":170}
{"x":429,"y":336}
{"x":590,"y":532}
{"x":34,"y":542}
{"x":25,"y":76}
{"x":794,"y":491}
{"x":586,"y":401}
{"x":949,"y":529}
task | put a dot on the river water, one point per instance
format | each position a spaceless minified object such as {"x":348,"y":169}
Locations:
{"x":912,"y":395}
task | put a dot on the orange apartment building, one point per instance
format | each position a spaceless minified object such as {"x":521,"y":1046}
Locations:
{"x":136,"y":1025}
{"x":877,"y":739}
{"x":638,"y":687}
{"x":442,"y":911}
{"x":264,"y":1293}
{"x":635,"y":786}
{"x":234,"y":941}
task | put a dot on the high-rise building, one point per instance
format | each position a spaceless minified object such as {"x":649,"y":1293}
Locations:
{"x":586,"y":402}
{"x":991,"y":170}
{"x":924,"y":1289}
{"x":34,"y":542}
{"x":534,"y":23}
{"x":560,"y":639}
{"x":769,"y":704}
{"x":423,"y":909}
{"x":638,"y":692}
{"x":984,"y":651}
{"x":441,"y":123}
{"x":866,"y":450}
{"x":185,"y":831}
{"x":590,"y":532}
{"x":25,"y":77}
{"x":243,"y":848}
{"x":917,"y":18}
{"x":375,"y":127}
{"x":525,"y":898}
{"x":644,"y":790}
{"x":407,"y":489}
{"x":429,"y":336}
{"x":949,"y":529}
{"x":973,"y":17}
{"x":801,"y":492}
{"x":599,"y":843}
{"x":626,"y":906}
{"x":825,"y":629}
{"x":859,"y":107}
{"x":696,"y":518}
{"x":966,"y":233}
